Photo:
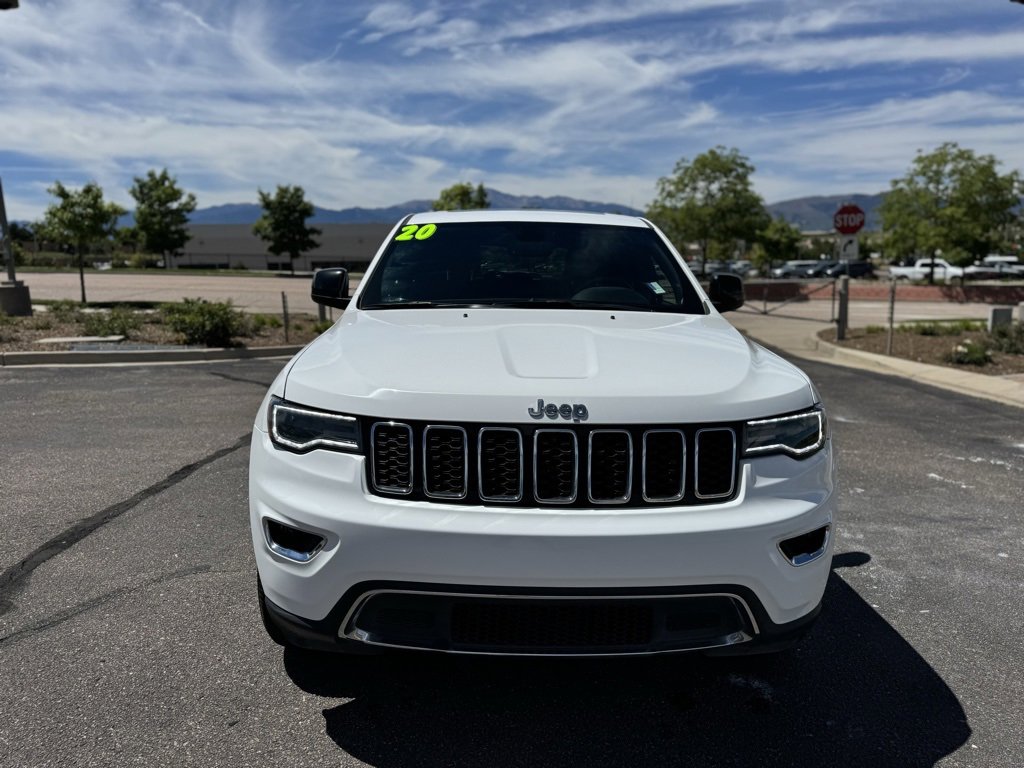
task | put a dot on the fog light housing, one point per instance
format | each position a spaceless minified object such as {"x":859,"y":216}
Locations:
{"x":806,"y":548}
{"x":292,"y":543}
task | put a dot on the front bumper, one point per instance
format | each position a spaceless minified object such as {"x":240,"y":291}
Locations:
{"x":730,"y":548}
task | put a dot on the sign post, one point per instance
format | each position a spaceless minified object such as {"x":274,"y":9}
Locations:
{"x":848,"y":221}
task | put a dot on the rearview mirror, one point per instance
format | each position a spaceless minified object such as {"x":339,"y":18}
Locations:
{"x":726,"y":291}
{"x":330,"y":288}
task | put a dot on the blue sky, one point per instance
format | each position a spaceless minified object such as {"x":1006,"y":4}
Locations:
{"x":369,"y":104}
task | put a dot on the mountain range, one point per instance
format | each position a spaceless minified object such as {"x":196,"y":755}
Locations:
{"x":808,"y":213}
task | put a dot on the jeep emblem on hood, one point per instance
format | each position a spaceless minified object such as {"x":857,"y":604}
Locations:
{"x":576,"y":411}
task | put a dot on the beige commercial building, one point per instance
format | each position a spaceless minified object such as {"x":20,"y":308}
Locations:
{"x":234,"y":246}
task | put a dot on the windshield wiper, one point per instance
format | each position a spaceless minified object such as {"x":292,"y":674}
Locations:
{"x":421,"y":305}
{"x":579,"y":304}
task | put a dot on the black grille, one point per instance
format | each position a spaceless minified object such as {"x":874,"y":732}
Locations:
{"x":574,"y":466}
{"x":664,"y":465}
{"x":548,"y":624}
{"x":501,"y":464}
{"x":551,"y":625}
{"x":445,"y":462}
{"x":555,"y":465}
{"x":611,"y":465}
{"x":392,"y":457}
{"x":716,"y":457}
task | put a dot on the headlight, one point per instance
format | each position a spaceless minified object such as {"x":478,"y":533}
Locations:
{"x":799,"y":435}
{"x":297,"y":428}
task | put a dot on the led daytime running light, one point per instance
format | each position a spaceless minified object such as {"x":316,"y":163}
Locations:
{"x":760,"y":430}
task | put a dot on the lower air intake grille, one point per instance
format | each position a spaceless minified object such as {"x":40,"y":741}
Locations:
{"x":550,"y":625}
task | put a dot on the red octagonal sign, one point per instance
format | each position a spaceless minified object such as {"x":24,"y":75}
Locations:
{"x":849,"y":220}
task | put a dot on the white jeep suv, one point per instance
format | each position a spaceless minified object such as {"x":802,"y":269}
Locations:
{"x":532,"y":432}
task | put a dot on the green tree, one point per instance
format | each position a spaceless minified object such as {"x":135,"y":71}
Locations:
{"x":80,"y":219}
{"x":779,"y":241}
{"x":283,"y":223}
{"x":462,"y":197}
{"x":161,"y":214}
{"x":709,"y":201}
{"x":951,"y":200}
{"x":813,"y":248}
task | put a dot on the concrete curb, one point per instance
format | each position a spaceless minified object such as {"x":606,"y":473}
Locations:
{"x":143,"y":357}
{"x":995,"y":388}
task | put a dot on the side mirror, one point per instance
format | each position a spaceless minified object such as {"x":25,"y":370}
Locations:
{"x":726,"y":291}
{"x":330,"y":288}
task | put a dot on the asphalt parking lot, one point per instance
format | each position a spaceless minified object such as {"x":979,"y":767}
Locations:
{"x":129,"y":633}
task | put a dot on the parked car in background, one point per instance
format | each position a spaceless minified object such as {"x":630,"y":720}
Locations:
{"x":851,"y":268}
{"x":994,"y":270}
{"x":944,"y":271}
{"x":819,"y":269}
{"x":741,"y":267}
{"x":791,"y":269}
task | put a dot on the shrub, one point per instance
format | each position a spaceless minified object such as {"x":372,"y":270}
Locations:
{"x":942,"y":328}
{"x":143,"y":260}
{"x":320,"y":327}
{"x":1008,"y":338}
{"x":213,"y":324}
{"x":66,"y":311}
{"x":119,"y":321}
{"x":872,"y":330}
{"x":260,"y":321}
{"x":970,"y":353}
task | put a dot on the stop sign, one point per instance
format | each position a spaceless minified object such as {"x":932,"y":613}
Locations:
{"x":848,"y":220}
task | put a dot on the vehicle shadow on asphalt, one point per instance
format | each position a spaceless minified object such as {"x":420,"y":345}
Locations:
{"x":854,"y":693}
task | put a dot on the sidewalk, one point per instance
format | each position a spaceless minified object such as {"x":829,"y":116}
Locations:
{"x":794,"y":330}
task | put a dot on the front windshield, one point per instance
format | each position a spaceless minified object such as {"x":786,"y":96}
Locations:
{"x":527,"y":264}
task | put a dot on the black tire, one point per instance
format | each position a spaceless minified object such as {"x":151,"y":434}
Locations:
{"x":272,"y":629}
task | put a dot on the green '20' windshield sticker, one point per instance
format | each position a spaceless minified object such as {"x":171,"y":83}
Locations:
{"x":418,"y":231}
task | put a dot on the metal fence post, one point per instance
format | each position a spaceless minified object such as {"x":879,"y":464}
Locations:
{"x":844,"y":307}
{"x":892,"y":315}
{"x":284,"y":311}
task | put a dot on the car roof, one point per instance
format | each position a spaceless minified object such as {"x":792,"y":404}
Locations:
{"x":557,"y":217}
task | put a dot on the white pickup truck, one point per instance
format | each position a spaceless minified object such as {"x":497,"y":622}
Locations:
{"x":922,"y":267}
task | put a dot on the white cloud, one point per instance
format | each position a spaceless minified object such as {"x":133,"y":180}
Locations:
{"x":369,"y":104}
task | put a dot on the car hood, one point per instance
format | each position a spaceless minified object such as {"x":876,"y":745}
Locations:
{"x":493,"y":364}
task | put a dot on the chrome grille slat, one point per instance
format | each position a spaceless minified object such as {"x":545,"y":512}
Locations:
{"x":714,"y":451}
{"x":559,"y":451}
{"x":664,"y":465}
{"x":445,"y":462}
{"x":391,"y":450}
{"x":609,"y":466}
{"x":500,"y":464}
